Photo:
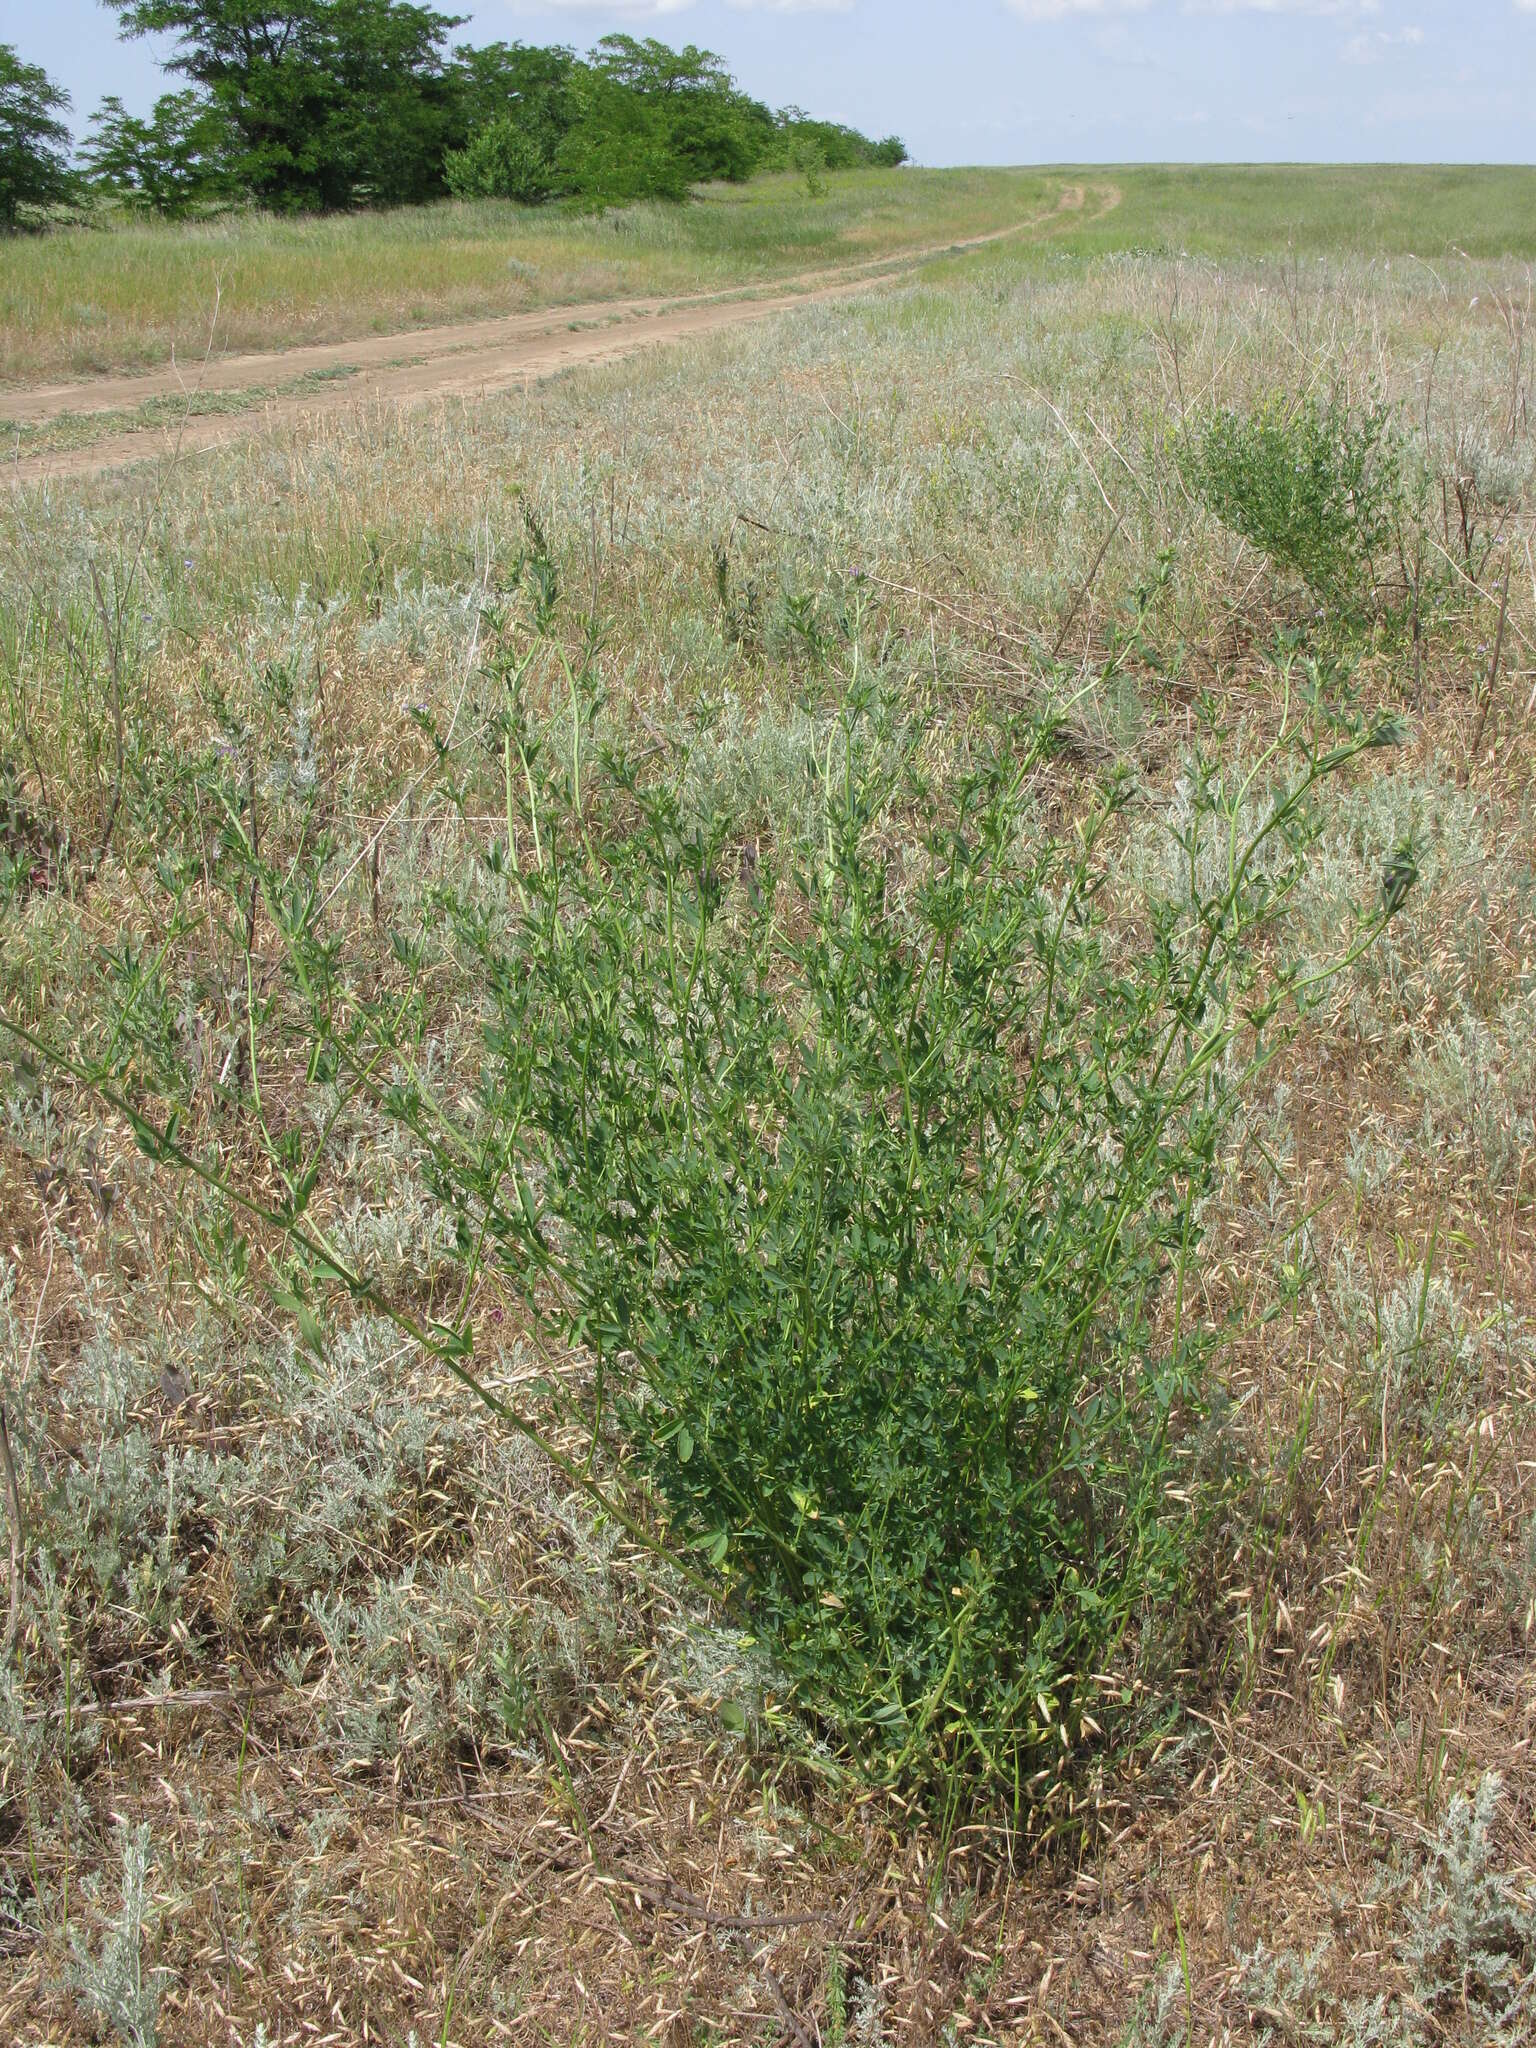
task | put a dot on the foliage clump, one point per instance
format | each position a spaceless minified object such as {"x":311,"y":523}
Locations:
{"x":866,"y":1167}
{"x":873,"y":1182}
{"x":34,"y":142}
{"x":1317,"y":485}
{"x":172,"y":164}
{"x":500,"y":161}
{"x":315,"y":105}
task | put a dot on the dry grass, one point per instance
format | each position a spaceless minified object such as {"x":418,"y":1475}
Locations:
{"x":354,"y":1826}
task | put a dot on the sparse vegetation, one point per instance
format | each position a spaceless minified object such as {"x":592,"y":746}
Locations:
{"x":477,"y":883}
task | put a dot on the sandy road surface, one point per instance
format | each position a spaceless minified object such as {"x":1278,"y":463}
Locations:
{"x":461,"y":361}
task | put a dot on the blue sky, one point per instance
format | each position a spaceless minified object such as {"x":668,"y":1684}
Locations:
{"x":1029,"y":81}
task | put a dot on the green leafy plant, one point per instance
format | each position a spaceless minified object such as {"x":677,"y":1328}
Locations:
{"x":502,"y":160}
{"x":808,"y":161}
{"x":867,"y":1170}
{"x":1316,"y":484}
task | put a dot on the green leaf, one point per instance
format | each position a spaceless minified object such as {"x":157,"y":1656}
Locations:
{"x":308,"y":1322}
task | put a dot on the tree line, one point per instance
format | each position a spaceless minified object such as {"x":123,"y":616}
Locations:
{"x":321,"y":105}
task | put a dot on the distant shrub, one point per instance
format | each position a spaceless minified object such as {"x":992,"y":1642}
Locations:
{"x":1317,"y":485}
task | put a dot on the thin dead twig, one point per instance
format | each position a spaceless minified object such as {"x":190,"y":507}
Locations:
{"x":8,"y":1463}
{"x":13,"y":1514}
{"x":1477,"y":589}
{"x":1082,"y":451}
{"x":1230,"y":1740}
{"x":112,"y":631}
{"x":196,"y":1700}
{"x":987,"y":627}
{"x":659,"y":1892}
{"x":1085,"y":586}
{"x":1493,"y":675}
{"x":669,"y":1899}
{"x":786,"y":2014}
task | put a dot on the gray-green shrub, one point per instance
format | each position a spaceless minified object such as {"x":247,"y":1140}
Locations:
{"x":1315,"y":483}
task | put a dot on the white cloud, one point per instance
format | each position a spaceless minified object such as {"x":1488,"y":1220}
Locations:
{"x":1331,"y":7}
{"x":1063,"y":10}
{"x":1352,"y":10}
{"x":1374,"y":43}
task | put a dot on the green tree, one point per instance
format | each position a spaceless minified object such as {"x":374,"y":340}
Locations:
{"x":518,"y":82}
{"x":34,"y":142}
{"x":618,"y":149}
{"x":329,"y":102}
{"x":170,"y":164}
{"x":834,"y":146}
{"x":714,"y":130}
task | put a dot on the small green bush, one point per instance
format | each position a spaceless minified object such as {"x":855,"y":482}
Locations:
{"x":500,"y":161}
{"x":873,"y":1184}
{"x":1316,"y":484}
{"x":866,"y":1166}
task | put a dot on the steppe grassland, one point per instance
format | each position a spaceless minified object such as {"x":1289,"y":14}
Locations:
{"x":126,"y":295}
{"x":389,"y":1835}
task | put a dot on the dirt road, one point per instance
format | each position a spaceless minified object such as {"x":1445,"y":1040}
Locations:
{"x":462,"y":361}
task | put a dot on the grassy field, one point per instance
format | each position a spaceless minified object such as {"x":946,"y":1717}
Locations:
{"x":1254,"y":210}
{"x":332,"y":1705}
{"x":124,"y":297}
